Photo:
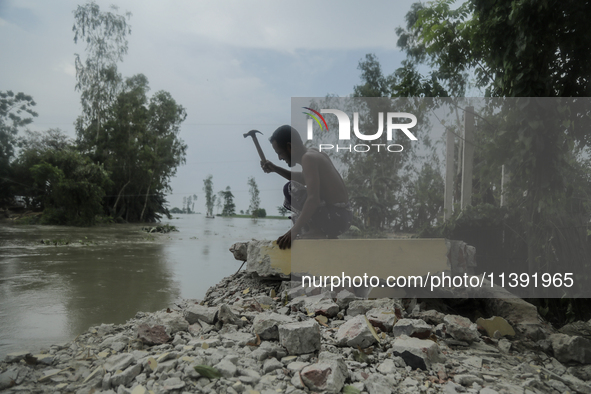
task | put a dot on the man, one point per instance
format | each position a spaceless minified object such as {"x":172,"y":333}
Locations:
{"x":317,"y":195}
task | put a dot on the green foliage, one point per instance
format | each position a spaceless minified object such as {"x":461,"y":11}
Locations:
{"x":134,"y":136}
{"x":15,"y":112}
{"x":209,"y":196}
{"x":424,"y":198}
{"x":229,"y":206}
{"x":140,"y":146}
{"x":68,"y":186}
{"x":509,"y":53}
{"x":208,"y":372}
{"x":282,"y":210}
{"x":54,"y":177}
{"x":351,"y":389}
{"x":255,"y":200}
{"x":105,"y":35}
{"x":259,"y":213}
{"x":512,"y":53}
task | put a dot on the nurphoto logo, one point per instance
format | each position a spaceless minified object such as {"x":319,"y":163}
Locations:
{"x":392,"y":124}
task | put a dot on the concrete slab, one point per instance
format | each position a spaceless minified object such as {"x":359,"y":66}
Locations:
{"x":379,"y":257}
{"x":359,"y":257}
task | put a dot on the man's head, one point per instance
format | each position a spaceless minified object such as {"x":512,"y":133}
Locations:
{"x":287,"y":144}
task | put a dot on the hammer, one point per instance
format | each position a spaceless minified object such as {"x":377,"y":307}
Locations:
{"x":252,"y":133}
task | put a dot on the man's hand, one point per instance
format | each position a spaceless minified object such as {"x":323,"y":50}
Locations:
{"x":268,"y":167}
{"x":284,"y":241}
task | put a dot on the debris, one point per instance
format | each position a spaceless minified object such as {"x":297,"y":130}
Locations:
{"x":239,"y":341}
{"x":496,"y":327}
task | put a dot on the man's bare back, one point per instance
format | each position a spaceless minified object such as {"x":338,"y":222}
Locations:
{"x":332,"y":186}
{"x":322,"y":208}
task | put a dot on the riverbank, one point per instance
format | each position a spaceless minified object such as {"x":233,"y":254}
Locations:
{"x":251,"y":336}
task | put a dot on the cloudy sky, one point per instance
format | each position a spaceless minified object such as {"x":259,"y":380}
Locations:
{"x":234,"y":66}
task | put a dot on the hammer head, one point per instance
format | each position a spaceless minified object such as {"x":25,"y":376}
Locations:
{"x":251,"y":133}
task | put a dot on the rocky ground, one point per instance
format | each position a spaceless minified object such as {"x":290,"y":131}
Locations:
{"x":253,"y":336}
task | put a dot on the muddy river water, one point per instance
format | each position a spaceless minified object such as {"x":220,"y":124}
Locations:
{"x":105,"y":274}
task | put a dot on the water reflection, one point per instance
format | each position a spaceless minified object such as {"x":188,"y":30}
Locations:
{"x":50,"y":294}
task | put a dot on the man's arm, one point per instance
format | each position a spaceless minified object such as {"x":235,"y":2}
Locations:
{"x":268,"y":167}
{"x":311,"y":177}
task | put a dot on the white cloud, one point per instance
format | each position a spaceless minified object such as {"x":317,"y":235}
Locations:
{"x":67,"y":68}
{"x":278,"y":25}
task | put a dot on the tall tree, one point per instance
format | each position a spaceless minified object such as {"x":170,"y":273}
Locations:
{"x":218,"y":201}
{"x":16,"y":111}
{"x":209,"y":196}
{"x":105,"y":35}
{"x":189,"y":203}
{"x":518,"y":49}
{"x":255,"y":200}
{"x":229,"y":206}
{"x":142,"y":148}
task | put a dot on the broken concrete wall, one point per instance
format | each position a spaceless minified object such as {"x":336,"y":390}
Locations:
{"x":381,"y":257}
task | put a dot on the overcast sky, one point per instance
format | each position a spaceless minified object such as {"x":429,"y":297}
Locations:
{"x":234,"y":66}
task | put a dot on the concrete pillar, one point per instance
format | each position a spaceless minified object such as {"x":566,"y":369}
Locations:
{"x":468,"y":157}
{"x":449,"y":174}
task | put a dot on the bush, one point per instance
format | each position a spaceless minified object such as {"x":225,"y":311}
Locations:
{"x":259,"y":213}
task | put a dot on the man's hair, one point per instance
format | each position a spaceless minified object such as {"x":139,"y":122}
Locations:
{"x":285,"y":134}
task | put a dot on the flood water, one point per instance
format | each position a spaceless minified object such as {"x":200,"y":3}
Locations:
{"x":50,"y":294}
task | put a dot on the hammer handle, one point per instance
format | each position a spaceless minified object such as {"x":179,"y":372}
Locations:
{"x":256,"y":143}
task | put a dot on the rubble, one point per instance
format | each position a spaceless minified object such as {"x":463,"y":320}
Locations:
{"x":300,"y":337}
{"x":417,"y":353}
{"x":571,"y":348}
{"x":247,"y":336}
{"x":413,"y":328}
{"x":461,"y":328}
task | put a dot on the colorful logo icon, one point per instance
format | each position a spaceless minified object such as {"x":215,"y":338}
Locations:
{"x":315,"y":118}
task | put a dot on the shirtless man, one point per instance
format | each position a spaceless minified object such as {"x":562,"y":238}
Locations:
{"x":317,"y":195}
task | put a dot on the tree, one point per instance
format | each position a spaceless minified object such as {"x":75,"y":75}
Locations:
{"x":218,"y":201}
{"x":425,"y":197}
{"x":376,"y":181}
{"x":105,"y":35}
{"x":512,"y":54}
{"x":15,"y":112}
{"x":134,"y":136}
{"x":255,"y":200}
{"x":140,"y":145}
{"x":189,"y":203}
{"x":260,"y":213}
{"x":282,"y":210}
{"x":72,"y":195}
{"x":209,"y":196}
{"x":229,"y":207}
{"x":56,"y":178}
